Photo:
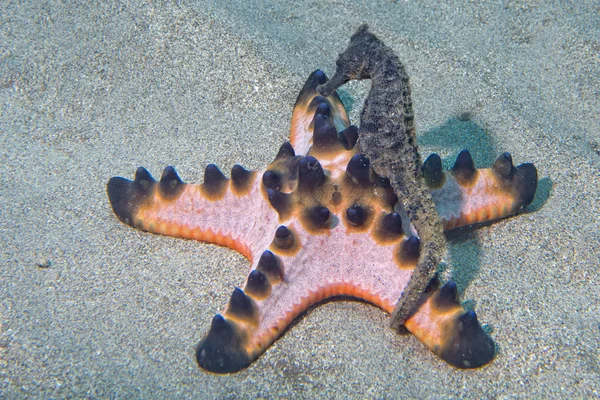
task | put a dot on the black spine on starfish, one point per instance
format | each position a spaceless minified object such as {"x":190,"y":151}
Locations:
{"x":271,"y":180}
{"x":221,"y":350}
{"x":316,"y":217}
{"x":285,"y":151}
{"x":281,"y":202}
{"x":356,"y":215}
{"x":284,"y":238}
{"x":432,"y":171}
{"x":282,"y":176}
{"x":310,"y":174}
{"x":127,"y":196}
{"x":258,"y":285}
{"x":215,"y":183}
{"x":170,"y":184}
{"x":325,"y":135}
{"x":241,"y":180}
{"x":464,"y":168}
{"x":392,"y":223}
{"x":470,"y":346}
{"x":503,"y":166}
{"x":410,"y":249}
{"x":241,"y":305}
{"x":447,"y":296}
{"x":270,"y":265}
{"x":359,"y":169}
{"x":521,"y":180}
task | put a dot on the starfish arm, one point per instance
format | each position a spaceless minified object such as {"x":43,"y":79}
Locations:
{"x":301,"y":131}
{"x":284,"y":282}
{"x":465,"y":195}
{"x":220,"y":210}
{"x":448,"y":330}
{"x":291,"y":276}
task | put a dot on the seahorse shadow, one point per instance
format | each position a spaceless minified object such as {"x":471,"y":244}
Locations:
{"x":458,"y":133}
{"x":542,"y":194}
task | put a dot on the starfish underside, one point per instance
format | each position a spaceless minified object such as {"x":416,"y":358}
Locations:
{"x":317,"y":223}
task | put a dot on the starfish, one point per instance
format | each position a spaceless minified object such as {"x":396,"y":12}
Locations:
{"x":318,"y":222}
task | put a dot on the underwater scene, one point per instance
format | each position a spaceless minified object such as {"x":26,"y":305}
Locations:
{"x":261,"y":199}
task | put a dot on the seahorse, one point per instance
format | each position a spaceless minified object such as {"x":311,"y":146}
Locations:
{"x":387,"y":137}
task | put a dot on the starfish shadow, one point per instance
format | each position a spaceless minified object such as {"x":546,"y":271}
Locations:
{"x":456,"y":134}
{"x":544,"y":190}
{"x":464,"y":248}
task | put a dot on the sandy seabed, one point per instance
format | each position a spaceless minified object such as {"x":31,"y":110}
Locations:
{"x":93,"y":90}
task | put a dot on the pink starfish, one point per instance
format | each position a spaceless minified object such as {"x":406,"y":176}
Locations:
{"x":317,"y":223}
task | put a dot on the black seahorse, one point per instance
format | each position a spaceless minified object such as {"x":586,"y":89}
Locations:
{"x":387,"y":137}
